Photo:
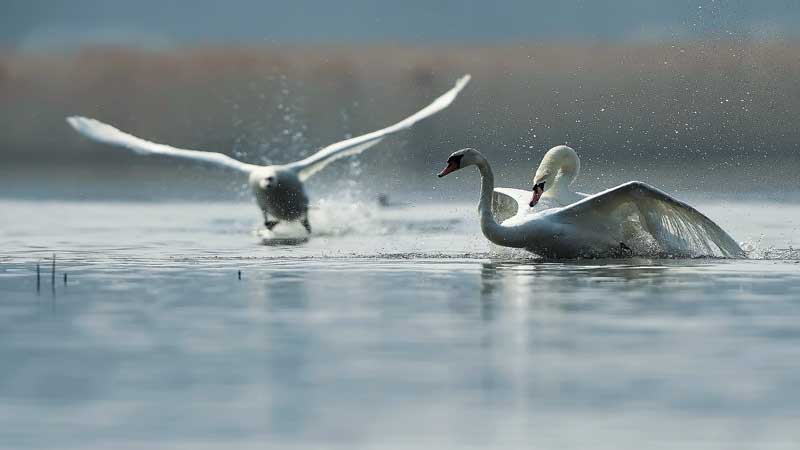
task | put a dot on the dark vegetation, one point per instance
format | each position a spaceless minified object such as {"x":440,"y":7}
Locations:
{"x":704,"y":112}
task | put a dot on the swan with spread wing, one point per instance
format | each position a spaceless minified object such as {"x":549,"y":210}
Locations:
{"x":278,"y":189}
{"x":631,"y":219}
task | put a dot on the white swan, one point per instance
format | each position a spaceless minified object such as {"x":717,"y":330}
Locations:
{"x":630,"y":219}
{"x":278,"y":189}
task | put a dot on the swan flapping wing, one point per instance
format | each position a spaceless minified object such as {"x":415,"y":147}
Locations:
{"x":101,"y":132}
{"x":508,"y":202}
{"x":314,"y":163}
{"x":673,"y":226}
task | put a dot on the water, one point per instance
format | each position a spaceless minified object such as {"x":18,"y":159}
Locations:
{"x":392,"y":328}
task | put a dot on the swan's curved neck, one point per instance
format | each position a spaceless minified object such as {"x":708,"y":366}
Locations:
{"x":563,"y":180}
{"x":489,"y":226}
{"x":558,"y":169}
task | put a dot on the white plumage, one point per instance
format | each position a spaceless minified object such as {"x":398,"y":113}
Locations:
{"x":631,"y":219}
{"x":278,"y":189}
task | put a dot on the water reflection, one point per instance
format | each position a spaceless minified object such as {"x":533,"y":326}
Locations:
{"x":526,"y":281}
{"x":346,"y":351}
{"x":361,"y":340}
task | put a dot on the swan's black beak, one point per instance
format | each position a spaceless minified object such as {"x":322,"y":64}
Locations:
{"x":538,"y":190}
{"x":452,"y":166}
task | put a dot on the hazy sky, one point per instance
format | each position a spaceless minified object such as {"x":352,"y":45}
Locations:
{"x":36,"y":24}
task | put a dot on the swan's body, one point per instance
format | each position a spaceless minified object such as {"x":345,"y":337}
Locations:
{"x":631,"y":219}
{"x":278,"y":189}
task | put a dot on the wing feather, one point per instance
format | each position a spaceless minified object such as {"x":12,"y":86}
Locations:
{"x":508,"y":202}
{"x":358,"y":144}
{"x":673,"y":225}
{"x":107,"y":134}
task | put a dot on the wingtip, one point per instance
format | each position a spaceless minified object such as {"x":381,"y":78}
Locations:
{"x":75,"y":121}
{"x":461,"y":82}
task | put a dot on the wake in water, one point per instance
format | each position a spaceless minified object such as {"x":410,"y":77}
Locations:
{"x":437,"y":231}
{"x":347,"y":217}
{"x":775,"y":254}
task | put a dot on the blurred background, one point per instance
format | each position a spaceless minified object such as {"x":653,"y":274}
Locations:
{"x":400,"y":326}
{"x":693,"y":96}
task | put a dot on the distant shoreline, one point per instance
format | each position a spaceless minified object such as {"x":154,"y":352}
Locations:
{"x":711,"y":112}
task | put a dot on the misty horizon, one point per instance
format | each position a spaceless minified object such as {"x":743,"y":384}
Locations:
{"x":697,"y":117}
{"x":38,"y":25}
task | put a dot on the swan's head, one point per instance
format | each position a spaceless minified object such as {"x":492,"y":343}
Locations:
{"x":460,"y":159}
{"x":560,"y":164}
{"x":264,"y":178}
{"x":267,"y":182}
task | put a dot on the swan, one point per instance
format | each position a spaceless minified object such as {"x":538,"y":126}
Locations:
{"x":278,"y":189}
{"x":631,"y":219}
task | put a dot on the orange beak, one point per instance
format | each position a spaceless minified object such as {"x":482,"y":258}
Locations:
{"x":538,"y":190}
{"x":452,"y":166}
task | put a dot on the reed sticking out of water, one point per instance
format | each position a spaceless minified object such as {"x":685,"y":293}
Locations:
{"x":240,"y":274}
{"x":38,"y":277}
{"x":53,"y":280}
{"x":65,"y":278}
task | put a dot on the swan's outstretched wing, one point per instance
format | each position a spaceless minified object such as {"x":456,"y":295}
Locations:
{"x":673,"y":226}
{"x":508,"y":202}
{"x":107,"y":134}
{"x":314,"y":163}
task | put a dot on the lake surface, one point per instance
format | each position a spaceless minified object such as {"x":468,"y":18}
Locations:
{"x":391,"y":328}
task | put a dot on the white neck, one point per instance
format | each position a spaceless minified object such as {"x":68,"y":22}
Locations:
{"x":562,"y":182}
{"x":493,"y":231}
{"x":561,"y":166}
